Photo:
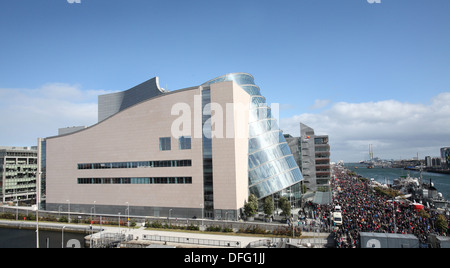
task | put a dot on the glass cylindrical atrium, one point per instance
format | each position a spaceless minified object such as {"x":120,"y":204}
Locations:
{"x":272,"y":167}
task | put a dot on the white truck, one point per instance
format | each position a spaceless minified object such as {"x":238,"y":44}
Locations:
{"x":337,"y":218}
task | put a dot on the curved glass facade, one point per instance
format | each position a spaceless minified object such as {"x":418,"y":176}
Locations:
{"x":272,"y":167}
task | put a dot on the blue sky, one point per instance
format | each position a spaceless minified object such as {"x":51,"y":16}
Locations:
{"x":310,"y":56}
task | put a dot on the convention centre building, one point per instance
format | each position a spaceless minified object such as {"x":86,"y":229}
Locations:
{"x":193,"y":152}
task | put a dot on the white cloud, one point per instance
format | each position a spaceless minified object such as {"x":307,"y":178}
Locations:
{"x":318,"y":104}
{"x":396,"y":129}
{"x":32,"y":113}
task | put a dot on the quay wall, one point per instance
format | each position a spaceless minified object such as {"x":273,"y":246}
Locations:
{"x":83,"y":220}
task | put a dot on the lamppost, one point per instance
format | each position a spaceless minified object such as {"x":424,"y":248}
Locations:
{"x":168,"y":218}
{"x":128,"y":214}
{"x":62,"y":237}
{"x":38,"y":189}
{"x":68,"y":219}
{"x":92,"y":215}
{"x":94,"y":211}
{"x":17,"y":208}
{"x":119,"y":222}
{"x":37,"y":226}
{"x":202,"y":212}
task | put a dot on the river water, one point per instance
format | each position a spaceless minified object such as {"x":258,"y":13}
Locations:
{"x":387,"y":175}
{"x":23,"y":238}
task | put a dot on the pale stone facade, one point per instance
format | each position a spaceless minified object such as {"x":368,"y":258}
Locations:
{"x":132,"y":135}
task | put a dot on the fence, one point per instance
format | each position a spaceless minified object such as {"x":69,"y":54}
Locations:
{"x":195,"y":241}
{"x":108,"y":240}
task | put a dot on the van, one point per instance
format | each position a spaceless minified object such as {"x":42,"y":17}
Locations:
{"x":337,"y":218}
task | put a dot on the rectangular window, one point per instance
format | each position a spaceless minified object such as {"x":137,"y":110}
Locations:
{"x":122,"y":165}
{"x":156,"y":180}
{"x":184,"y":143}
{"x":164,"y":144}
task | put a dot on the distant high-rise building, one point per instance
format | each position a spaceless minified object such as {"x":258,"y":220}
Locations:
{"x":312,"y":154}
{"x":315,"y":158}
{"x":18,"y":168}
{"x":445,"y":156}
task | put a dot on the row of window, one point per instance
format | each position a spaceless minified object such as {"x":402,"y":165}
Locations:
{"x":184,"y":143}
{"x":139,"y":164}
{"x":152,"y":180}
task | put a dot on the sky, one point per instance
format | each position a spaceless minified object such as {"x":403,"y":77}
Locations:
{"x":362,"y":73}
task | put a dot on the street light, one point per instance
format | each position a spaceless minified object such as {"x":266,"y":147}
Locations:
{"x":68,"y":220}
{"x":119,"y":222}
{"x":62,"y":237}
{"x":92,"y":215}
{"x":17,"y":208}
{"x":38,"y":189}
{"x":94,"y":211}
{"x":202,"y":212}
{"x":128,"y":214}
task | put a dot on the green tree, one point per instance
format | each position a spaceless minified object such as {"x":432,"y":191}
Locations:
{"x":422,"y":213}
{"x":285,"y":206}
{"x":268,"y":206}
{"x":251,"y":207}
{"x":441,"y":223}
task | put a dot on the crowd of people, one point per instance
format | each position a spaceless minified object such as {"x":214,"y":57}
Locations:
{"x":365,"y":210}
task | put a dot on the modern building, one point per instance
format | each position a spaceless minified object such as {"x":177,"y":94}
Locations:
{"x":315,"y":158}
{"x":445,"y":157}
{"x":433,"y":162}
{"x":312,"y":154}
{"x":18,"y":167}
{"x":198,"y":151}
{"x":110,"y":104}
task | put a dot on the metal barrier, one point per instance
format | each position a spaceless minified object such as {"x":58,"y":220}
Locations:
{"x":196,"y":241}
{"x":107,"y":240}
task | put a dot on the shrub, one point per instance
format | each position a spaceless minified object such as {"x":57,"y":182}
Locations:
{"x":254,"y":229}
{"x":227,"y":229}
{"x":193,"y":227}
{"x":286,"y":231}
{"x":63,"y":219}
{"x":8,"y":216}
{"x":214,"y":229}
{"x":156,"y":224}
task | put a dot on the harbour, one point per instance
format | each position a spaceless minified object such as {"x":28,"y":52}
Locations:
{"x":388,"y":175}
{"x":26,"y":238}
